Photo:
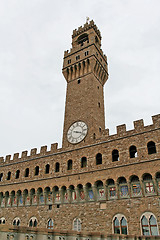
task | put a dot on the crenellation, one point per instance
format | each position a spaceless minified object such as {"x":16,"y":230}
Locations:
{"x":138,"y":125}
{"x":15,"y":156}
{"x":54,"y":147}
{"x":7,"y":158}
{"x":121,"y":130}
{"x":85,"y":27}
{"x":156,"y":120}
{"x":33,"y":152}
{"x":1,"y":160}
{"x":24,"y":154}
{"x":43,"y":150}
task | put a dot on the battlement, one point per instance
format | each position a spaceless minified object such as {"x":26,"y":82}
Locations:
{"x":86,"y":27}
{"x":121,"y":132}
{"x":138,"y":128}
{"x":33,"y":154}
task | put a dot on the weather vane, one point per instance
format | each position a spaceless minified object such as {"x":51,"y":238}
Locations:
{"x":87,"y":19}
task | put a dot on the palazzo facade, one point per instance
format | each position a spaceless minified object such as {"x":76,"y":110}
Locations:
{"x":96,"y":182}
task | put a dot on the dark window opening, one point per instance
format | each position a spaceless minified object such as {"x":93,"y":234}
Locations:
{"x":57,"y":167}
{"x":77,"y":57}
{"x":26,"y":172}
{"x":99,"y":105}
{"x":36,"y":170}
{"x":17,"y":174}
{"x":30,"y":223}
{"x":35,"y":223}
{"x":86,"y":53}
{"x":69,"y":61}
{"x":115,"y":155}
{"x":94,"y":136}
{"x":9,"y":176}
{"x":151,"y":147}
{"x":133,"y":151}
{"x":83,"y":162}
{"x":98,"y":159}
{"x":100,"y":129}
{"x":83,"y":38}
{"x":14,"y":223}
{"x":47,"y":168}
{"x":78,"y":81}
{"x":58,"y":205}
{"x":50,"y":207}
{"x":1,"y":176}
{"x":69,"y":165}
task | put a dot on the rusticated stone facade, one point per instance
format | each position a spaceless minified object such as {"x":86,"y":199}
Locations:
{"x":105,"y":183}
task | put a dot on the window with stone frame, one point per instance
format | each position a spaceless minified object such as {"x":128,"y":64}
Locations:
{"x":98,"y":159}
{"x":135,"y":186}
{"x":47,"y":168}
{"x":149,"y":224}
{"x":77,"y":224}
{"x":2,"y":220}
{"x":151,"y":146}
{"x":33,"y":222}
{"x":50,"y":224}
{"x":69,"y":165}
{"x":123,"y":187}
{"x":83,"y":162}
{"x":133,"y":151}
{"x":148,"y":184}
{"x":111,"y":188}
{"x":26,"y":172}
{"x":16,"y":222}
{"x":120,"y":224}
{"x":115,"y":155}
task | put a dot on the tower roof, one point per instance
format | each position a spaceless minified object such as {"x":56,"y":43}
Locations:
{"x":85,"y":27}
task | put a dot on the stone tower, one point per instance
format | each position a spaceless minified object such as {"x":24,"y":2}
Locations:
{"x":85,"y":70}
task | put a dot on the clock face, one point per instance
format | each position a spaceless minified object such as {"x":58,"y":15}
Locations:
{"x":77,"y":132}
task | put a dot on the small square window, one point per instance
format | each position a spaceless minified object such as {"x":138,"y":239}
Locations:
{"x":50,"y":207}
{"x":77,"y":57}
{"x":86,"y":53}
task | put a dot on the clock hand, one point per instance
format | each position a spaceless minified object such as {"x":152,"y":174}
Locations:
{"x":77,"y":132}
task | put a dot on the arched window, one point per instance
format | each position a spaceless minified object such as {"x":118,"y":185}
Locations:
{"x":111,"y":188}
{"x":33,"y":222}
{"x":120,"y":224}
{"x":36,"y":171}
{"x":26,"y":172}
{"x":83,"y":162}
{"x":151,"y":147}
{"x":47,"y":167}
{"x":149,"y":224}
{"x":9,"y":176}
{"x":57,"y":167}
{"x":148,"y":183}
{"x":50,"y":224}
{"x":17,"y":174}
{"x":123,"y":226}
{"x":1,"y":177}
{"x":77,"y":224}
{"x":98,"y":159}
{"x":116,"y":226}
{"x":100,"y":190}
{"x":135,"y":185}
{"x":2,"y":220}
{"x":115,"y":155}
{"x":123,"y":187}
{"x":133,"y":151}
{"x":16,"y":222}
{"x":69,"y":165}
{"x":83,"y":38}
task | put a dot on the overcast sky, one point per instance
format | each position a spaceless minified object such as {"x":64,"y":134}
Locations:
{"x":33,"y":37}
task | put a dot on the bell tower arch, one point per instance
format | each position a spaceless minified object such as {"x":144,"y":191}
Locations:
{"x":85,"y":70}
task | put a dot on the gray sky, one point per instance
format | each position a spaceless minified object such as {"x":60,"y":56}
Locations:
{"x":33,"y":37}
